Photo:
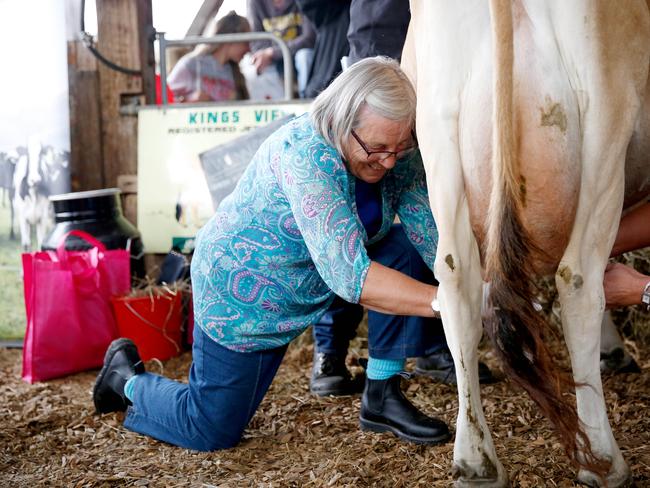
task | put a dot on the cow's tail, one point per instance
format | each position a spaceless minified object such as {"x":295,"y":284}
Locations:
{"x":516,"y":329}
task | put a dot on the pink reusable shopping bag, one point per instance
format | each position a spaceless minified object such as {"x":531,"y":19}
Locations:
{"x":67,"y":299}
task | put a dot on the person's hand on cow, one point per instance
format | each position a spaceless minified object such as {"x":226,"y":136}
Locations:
{"x":624,"y":285}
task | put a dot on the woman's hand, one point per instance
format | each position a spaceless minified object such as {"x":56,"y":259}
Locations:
{"x":633,"y":231}
{"x":623,"y":285}
{"x":262,"y":58}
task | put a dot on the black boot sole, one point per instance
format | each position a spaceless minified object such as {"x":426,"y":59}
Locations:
{"x":114,"y":398}
{"x":451,"y":380}
{"x":330,"y":392}
{"x":445,"y":377}
{"x":353,"y":386}
{"x":370,"y":426}
{"x":613,"y":369}
{"x":335,"y":392}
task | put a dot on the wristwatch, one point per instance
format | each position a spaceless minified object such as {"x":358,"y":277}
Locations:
{"x":435,"y":306}
{"x":645,"y":297}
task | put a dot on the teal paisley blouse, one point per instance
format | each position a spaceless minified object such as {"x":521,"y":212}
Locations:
{"x":271,"y":259}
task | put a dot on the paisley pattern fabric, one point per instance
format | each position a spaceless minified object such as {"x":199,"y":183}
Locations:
{"x":288,"y":239}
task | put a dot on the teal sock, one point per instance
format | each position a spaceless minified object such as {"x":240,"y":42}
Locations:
{"x":382,"y":369}
{"x":128,"y":387}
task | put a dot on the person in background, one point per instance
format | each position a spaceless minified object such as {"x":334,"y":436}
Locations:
{"x":376,"y":27}
{"x":330,"y":19}
{"x":624,"y":286}
{"x":211,"y":71}
{"x":284,"y":19}
{"x":288,"y":240}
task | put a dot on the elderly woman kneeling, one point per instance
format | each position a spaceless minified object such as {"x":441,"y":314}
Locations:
{"x":277,"y":252}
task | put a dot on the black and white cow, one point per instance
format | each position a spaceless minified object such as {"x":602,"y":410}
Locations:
{"x":40,"y":172}
{"x":7,"y":169}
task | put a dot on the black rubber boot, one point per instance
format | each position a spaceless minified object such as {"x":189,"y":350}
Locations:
{"x":121,"y":362}
{"x":440,"y":367}
{"x":330,"y":377}
{"x":618,"y":361}
{"x":384,"y":408}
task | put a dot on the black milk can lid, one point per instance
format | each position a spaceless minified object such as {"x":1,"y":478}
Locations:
{"x":85,"y":194}
{"x":87,"y":205}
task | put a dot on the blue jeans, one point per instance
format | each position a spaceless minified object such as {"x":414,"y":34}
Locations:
{"x":389,"y":336}
{"x":302,"y":60}
{"x":211,"y":412}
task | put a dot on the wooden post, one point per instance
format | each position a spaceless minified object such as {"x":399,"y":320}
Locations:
{"x":125,"y":38}
{"x":147,"y":36}
{"x":86,"y":164}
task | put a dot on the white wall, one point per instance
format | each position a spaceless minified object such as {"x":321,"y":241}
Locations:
{"x":34,"y":81}
{"x":173,"y":17}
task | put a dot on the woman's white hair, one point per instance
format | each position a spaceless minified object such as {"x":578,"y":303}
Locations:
{"x":377,"y":83}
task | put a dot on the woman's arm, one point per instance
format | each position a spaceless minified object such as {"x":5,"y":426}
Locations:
{"x":624,"y":286}
{"x":389,"y":291}
{"x":633,"y":231}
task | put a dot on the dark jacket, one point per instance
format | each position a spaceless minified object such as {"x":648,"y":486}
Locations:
{"x":330,"y":19}
{"x":377,"y":27}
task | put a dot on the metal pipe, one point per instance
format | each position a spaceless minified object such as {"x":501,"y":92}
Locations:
{"x":220,"y":39}
{"x":162,"y":48}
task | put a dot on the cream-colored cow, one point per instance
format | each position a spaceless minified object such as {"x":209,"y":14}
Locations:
{"x":525,"y":112}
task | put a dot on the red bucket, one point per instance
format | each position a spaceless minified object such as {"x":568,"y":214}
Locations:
{"x":152,"y":322}
{"x":189,"y":332}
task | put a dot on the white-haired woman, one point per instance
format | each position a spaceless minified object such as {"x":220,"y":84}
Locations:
{"x":211,"y":71}
{"x":279,"y":249}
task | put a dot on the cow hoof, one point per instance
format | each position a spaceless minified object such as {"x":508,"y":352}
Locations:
{"x":467,"y":477}
{"x":481,"y":483}
{"x":614,"y":480}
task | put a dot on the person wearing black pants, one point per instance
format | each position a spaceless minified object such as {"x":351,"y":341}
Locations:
{"x":374,"y":27}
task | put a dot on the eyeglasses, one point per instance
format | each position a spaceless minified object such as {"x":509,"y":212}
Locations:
{"x":383,"y":155}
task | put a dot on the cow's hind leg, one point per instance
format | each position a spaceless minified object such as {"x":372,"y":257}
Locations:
{"x":460,"y":294}
{"x":439,"y":82}
{"x":615,"y":85}
{"x":579,"y":280}
{"x":581,"y":294}
{"x":457,"y":268}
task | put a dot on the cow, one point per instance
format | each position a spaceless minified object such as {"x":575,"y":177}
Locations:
{"x":526,"y":111}
{"x":7,"y":169}
{"x":55,"y":164}
{"x":31,"y":191}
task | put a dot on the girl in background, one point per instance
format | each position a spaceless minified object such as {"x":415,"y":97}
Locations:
{"x":211,"y":71}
